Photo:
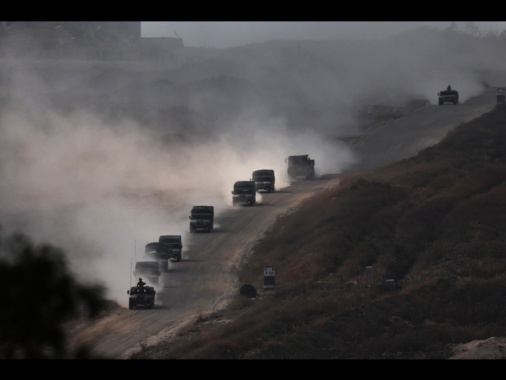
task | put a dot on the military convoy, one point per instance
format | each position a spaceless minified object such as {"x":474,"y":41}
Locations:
{"x":169,"y":247}
{"x":201,"y":218}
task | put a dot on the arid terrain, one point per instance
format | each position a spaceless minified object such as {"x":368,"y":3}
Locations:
{"x":393,"y":251}
{"x":454,"y":299}
{"x":182,"y":328}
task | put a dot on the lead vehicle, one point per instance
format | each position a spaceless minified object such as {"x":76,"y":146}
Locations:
{"x":141,"y":296}
{"x":448,"y":96}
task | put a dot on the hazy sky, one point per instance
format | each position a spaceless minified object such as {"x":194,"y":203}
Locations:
{"x":222,"y":34}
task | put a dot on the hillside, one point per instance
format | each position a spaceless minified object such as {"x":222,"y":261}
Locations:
{"x":433,"y":225}
{"x":104,"y":150}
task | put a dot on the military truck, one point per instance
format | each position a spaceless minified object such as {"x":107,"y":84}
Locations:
{"x":264,"y":180}
{"x":201,"y":218}
{"x":448,"y":96}
{"x":300,"y":166}
{"x":244,"y":193}
{"x":150,"y":270}
{"x":141,"y":296}
{"x":173,"y":244}
{"x":158,"y":252}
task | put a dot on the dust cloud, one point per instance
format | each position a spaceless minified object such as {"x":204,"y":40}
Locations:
{"x":101,"y":193}
{"x":101,"y":159}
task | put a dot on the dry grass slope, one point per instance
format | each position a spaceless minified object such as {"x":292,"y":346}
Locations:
{"x":435,"y":224}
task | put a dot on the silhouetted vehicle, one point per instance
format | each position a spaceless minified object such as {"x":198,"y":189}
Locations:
{"x":173,"y":244}
{"x":264,"y":180}
{"x":141,"y":297}
{"x":300,"y":166}
{"x":244,"y":193}
{"x":448,"y":96}
{"x":201,"y":218}
{"x":150,"y":270}
{"x":159,"y":252}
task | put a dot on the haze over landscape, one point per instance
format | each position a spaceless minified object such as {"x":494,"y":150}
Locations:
{"x":225,"y":34}
{"x":100,"y":158}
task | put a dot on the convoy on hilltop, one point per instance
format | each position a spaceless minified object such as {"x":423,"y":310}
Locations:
{"x":158,"y":254}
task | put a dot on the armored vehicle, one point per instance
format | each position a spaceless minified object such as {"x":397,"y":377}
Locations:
{"x":244,"y":193}
{"x":201,"y":218}
{"x":141,"y":297}
{"x":173,"y":245}
{"x":448,"y":96}
{"x":264,"y":180}
{"x":300,"y":166}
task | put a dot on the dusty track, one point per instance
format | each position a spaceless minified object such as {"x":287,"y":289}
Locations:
{"x":202,"y":282}
{"x":206,"y":278}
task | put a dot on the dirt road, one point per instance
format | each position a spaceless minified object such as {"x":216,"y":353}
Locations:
{"x":206,"y":278}
{"x":202,"y":282}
